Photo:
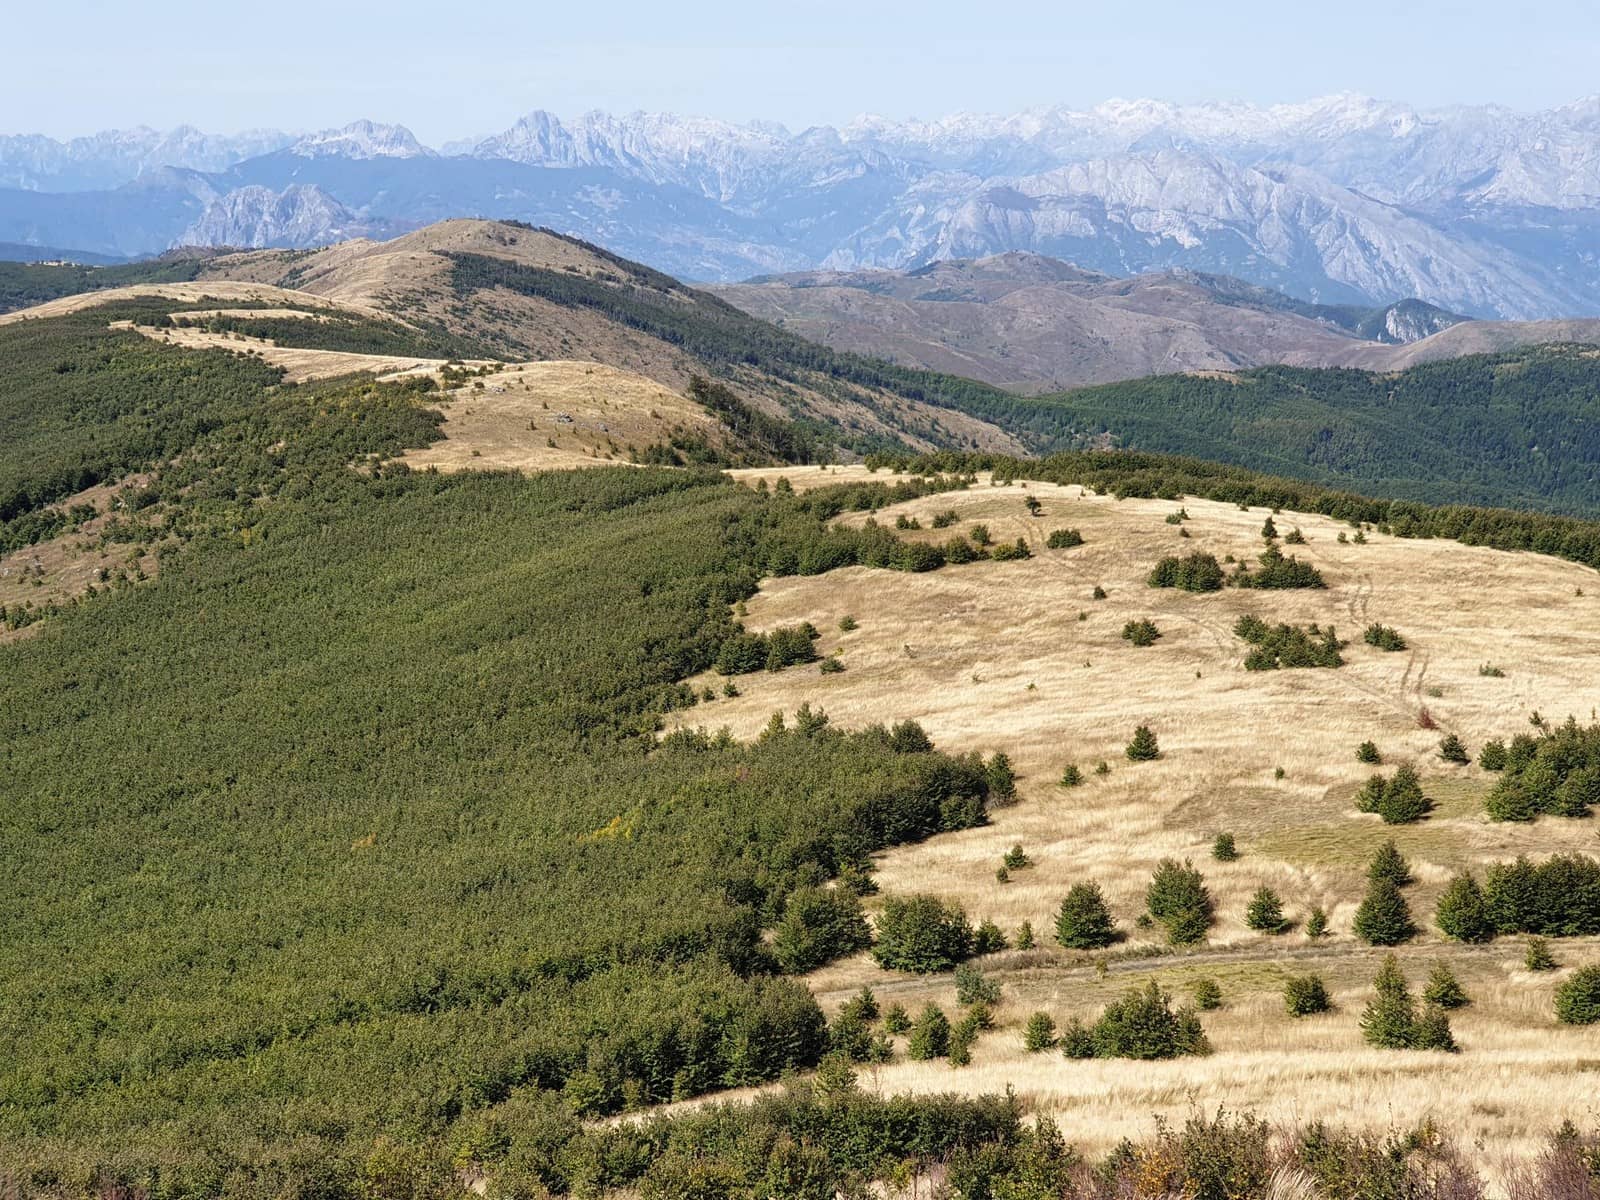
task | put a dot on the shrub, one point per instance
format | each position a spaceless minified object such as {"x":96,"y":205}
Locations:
{"x":980,"y":535}
{"x":959,"y":551}
{"x":1141,"y":633}
{"x":1277,"y":572}
{"x":1063,"y":539}
{"x":831,"y":666}
{"x":1099,"y":593}
{"x":944,"y":519}
{"x":1384,"y":918}
{"x":1269,"y":530}
{"x":905,"y":522}
{"x":1558,"y":774}
{"x":1011,"y":551}
{"x":1179,"y":517}
{"x":1001,"y":777}
{"x":930,"y":1036}
{"x":1197,"y":572}
{"x":1389,"y":863}
{"x":1304,"y":995}
{"x":973,"y":986}
{"x":1177,"y":897}
{"x":1142,"y":1025}
{"x":1578,"y":999}
{"x":1390,"y":1019}
{"x":818,"y":926}
{"x":1278,"y":646}
{"x":921,"y":934}
{"x":1207,"y":994}
{"x":1039,"y":1033}
{"x":1493,"y":755}
{"x":1143,"y":747}
{"x":1223,"y":848}
{"x":1084,"y":922}
{"x":1462,"y":913}
{"x":1539,"y":957}
{"x":1451,"y":750}
{"x":1317,"y":922}
{"x":1490,"y":671}
{"x":1017,"y":857}
{"x":1071,"y":777}
{"x":1024,"y":939}
{"x":1384,"y":637}
{"x":896,"y":1020}
{"x":1367,"y":752}
{"x":1444,"y":989}
{"x":790,"y":645}
{"x":1265,"y":912}
{"x":847,"y":623}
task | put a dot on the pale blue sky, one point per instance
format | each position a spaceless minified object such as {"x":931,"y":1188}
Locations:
{"x":457,"y":69}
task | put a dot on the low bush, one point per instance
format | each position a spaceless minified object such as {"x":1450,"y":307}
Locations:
{"x":1063,"y":539}
{"x":1141,"y":633}
{"x":1304,"y":995}
{"x":1578,"y":998}
{"x":921,"y":934}
{"x":1384,"y":637}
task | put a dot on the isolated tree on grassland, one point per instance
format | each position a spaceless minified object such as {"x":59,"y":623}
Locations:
{"x":1223,"y":848}
{"x":1578,"y":999}
{"x":1403,"y":801}
{"x":1367,"y":752}
{"x":1317,"y":922}
{"x":1084,"y":922}
{"x":1207,"y":994}
{"x":1304,"y":995}
{"x":1384,"y":918}
{"x":1177,"y":898}
{"x":1451,"y":750}
{"x":1539,"y":957}
{"x":1143,"y":747}
{"x":1265,"y":912}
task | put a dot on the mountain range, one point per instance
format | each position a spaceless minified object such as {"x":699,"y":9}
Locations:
{"x":1344,"y":200}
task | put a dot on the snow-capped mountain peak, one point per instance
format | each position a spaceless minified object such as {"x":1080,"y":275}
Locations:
{"x":360,"y":140}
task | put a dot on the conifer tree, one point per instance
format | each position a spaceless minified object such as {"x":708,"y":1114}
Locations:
{"x":1143,"y":747}
{"x":1223,"y":848}
{"x":1084,"y":922}
{"x":1388,"y":863}
{"x":1317,"y":922}
{"x":1178,"y":898}
{"x":1367,"y":752}
{"x":1039,"y":1034}
{"x":1207,"y":994}
{"x":930,"y":1036}
{"x":1390,"y":1019}
{"x":1304,"y":995}
{"x":1432,"y":1031}
{"x":1265,"y":912}
{"x":1451,"y":750}
{"x":1444,"y":989}
{"x":1384,"y":918}
{"x":1403,"y":801}
{"x":1539,"y":957}
{"x":1463,"y":914}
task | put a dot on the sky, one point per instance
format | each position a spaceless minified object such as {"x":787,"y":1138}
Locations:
{"x":468,"y":68}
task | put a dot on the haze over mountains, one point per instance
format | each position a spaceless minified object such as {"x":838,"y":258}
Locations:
{"x":1345,"y":200}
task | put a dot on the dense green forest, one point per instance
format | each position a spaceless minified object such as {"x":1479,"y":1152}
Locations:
{"x":1520,"y":428}
{"x":22,"y":285}
{"x":367,"y":779}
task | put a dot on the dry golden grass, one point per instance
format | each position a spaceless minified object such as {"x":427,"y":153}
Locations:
{"x":215,"y":289}
{"x":590,"y":413}
{"x":994,"y":656}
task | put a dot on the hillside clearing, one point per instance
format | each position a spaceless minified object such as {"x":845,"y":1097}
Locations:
{"x":993,"y":656}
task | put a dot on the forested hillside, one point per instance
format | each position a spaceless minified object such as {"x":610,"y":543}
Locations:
{"x":1521,"y":428}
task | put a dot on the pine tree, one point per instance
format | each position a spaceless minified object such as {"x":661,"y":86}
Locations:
{"x":1024,"y":940}
{"x":1071,"y":777}
{"x":1539,"y":957}
{"x":930,"y":1036}
{"x":1039,"y":1034}
{"x":1084,"y":922}
{"x":1451,"y":750}
{"x":1077,"y":1041}
{"x":1443,"y":988}
{"x":1384,"y":918}
{"x":1265,"y":912}
{"x":1207,"y":994}
{"x":962,"y":1038}
{"x":1578,"y":999}
{"x":1304,"y":995}
{"x":896,"y":1019}
{"x":1367,"y":752}
{"x":1223,"y":848}
{"x":1143,"y":747}
{"x":1269,"y":530}
{"x":1002,"y":777}
{"x":1388,"y":863}
{"x":1463,"y":913}
{"x":1317,"y":922}
{"x":1390,"y":1019}
{"x":1177,"y":897}
{"x":1432,"y":1031}
{"x":1403,"y":801}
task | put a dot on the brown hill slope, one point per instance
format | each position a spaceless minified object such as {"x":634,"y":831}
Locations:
{"x":418,"y":278}
{"x":1033,"y":324}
